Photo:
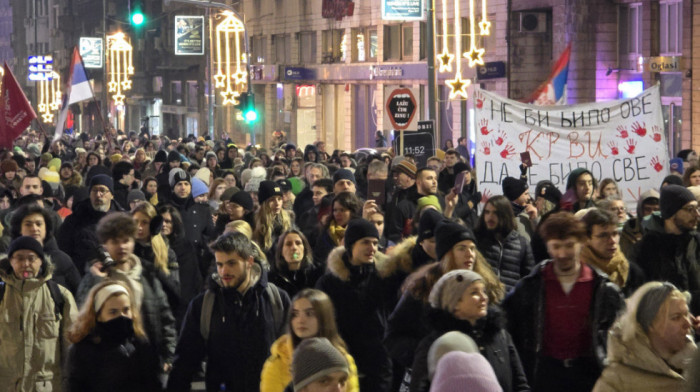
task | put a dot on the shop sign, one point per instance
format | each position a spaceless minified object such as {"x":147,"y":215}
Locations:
{"x":337,"y":9}
{"x":189,"y":33}
{"x":664,"y":64}
{"x":385,"y":72}
{"x":420,"y":144}
{"x":92,"y":52}
{"x":40,"y":68}
{"x":401,"y":107}
{"x":492,"y":70}
{"x":299,"y":73}
{"x":403,"y":10}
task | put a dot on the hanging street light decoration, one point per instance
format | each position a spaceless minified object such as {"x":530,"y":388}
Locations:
{"x":474,"y":55}
{"x":484,"y":25}
{"x":121,"y":66}
{"x":458,"y":86}
{"x":445,"y":58}
{"x":49,"y":96}
{"x":231,"y":75}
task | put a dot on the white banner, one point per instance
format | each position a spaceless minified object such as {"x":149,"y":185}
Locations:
{"x":623,"y":140}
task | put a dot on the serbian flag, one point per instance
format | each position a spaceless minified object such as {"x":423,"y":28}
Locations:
{"x":553,"y":90}
{"x":77,"y":89}
{"x":16,"y":113}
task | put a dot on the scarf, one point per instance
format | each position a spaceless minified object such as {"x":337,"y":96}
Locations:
{"x":336,"y":232}
{"x":617,"y":268}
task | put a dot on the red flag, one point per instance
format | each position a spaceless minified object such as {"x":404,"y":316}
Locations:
{"x":15,"y":111}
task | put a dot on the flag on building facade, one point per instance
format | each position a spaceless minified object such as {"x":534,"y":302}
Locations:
{"x":553,"y":90}
{"x":16,"y":113}
{"x":77,"y":89}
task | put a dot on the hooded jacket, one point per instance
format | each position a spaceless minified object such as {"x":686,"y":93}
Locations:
{"x":241,"y":333}
{"x":276,"y":374}
{"x":571,"y":184}
{"x":635,"y":367}
{"x":525,"y":309}
{"x":31,"y":348}
{"x":670,"y":257}
{"x":510,"y":257}
{"x":363,"y":296}
{"x":632,"y":230}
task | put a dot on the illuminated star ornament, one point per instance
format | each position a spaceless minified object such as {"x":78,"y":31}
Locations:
{"x":458,"y":87}
{"x":445,"y":58}
{"x":474,"y":55}
{"x":231,"y":75}
{"x":120,"y":66}
{"x":484,"y":25}
{"x":49,"y":96}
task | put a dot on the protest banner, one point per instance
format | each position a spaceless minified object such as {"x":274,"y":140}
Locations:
{"x":623,"y":140}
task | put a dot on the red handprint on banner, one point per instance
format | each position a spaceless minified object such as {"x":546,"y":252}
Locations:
{"x":656,"y":133}
{"x":485,"y":149}
{"x":485,"y":195}
{"x":622,"y":132}
{"x":484,"y":123}
{"x":631,"y":144}
{"x":613,"y":148}
{"x":478,"y":100}
{"x":508,"y":151}
{"x":656,"y":164}
{"x":501,"y":137}
{"x":639,"y":129}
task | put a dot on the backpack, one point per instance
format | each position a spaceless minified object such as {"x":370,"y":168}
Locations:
{"x":56,"y":296}
{"x":208,"y":307}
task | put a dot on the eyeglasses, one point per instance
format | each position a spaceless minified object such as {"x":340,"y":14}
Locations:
{"x":618,"y":209}
{"x":96,"y":191}
{"x":691,"y":209}
{"x":23,"y":259}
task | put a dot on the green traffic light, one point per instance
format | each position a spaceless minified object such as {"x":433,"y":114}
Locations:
{"x":251,"y":115}
{"x":137,"y":18}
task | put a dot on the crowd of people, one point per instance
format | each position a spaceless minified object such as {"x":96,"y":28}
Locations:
{"x":137,"y":263}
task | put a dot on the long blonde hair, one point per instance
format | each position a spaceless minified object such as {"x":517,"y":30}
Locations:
{"x":265,"y":222}
{"x":160,"y":248}
{"x":87,"y":318}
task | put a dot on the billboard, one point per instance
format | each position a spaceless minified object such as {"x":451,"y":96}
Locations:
{"x":189,"y":35}
{"x":40,"y":68}
{"x":403,"y":10}
{"x":92,"y":52}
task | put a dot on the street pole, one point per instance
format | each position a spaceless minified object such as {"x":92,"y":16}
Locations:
{"x":210,"y":90}
{"x":104,"y":107}
{"x":432,"y":85}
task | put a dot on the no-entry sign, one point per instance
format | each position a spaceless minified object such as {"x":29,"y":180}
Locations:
{"x":401,"y":109}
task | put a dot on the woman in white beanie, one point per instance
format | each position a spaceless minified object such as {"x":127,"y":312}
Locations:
{"x":651,"y":345}
{"x":459,"y":302}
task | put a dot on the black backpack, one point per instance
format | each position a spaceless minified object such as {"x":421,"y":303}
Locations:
{"x":56,"y":296}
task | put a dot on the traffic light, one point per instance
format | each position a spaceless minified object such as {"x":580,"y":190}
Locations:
{"x":249,"y":113}
{"x":137,"y":16}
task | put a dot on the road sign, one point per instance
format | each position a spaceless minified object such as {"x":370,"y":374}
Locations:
{"x":401,"y":108}
{"x":492,"y":70}
{"x":420,"y":144}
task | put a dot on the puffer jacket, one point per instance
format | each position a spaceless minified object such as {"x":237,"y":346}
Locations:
{"x":635,"y":367}
{"x":31,"y":348}
{"x":276,"y":374}
{"x":363,"y":296}
{"x":525,"y":309}
{"x":158,"y":320}
{"x":511,"y":258}
{"x":489,"y":333}
{"x":241,"y":333}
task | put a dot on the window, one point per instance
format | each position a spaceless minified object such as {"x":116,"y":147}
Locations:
{"x":307,"y":47}
{"x":398,"y":42}
{"x":192,"y":93}
{"x":671,"y":27}
{"x":176,"y":92}
{"x":631,"y":29}
{"x":364,"y":44}
{"x":258,"y":49}
{"x":281,"y":49}
{"x":333,"y":42}
{"x":465,"y":43}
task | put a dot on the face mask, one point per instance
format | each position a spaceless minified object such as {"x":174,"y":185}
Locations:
{"x":119,"y":328}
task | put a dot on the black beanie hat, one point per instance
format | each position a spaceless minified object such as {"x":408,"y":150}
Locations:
{"x":673,"y":198}
{"x":548,"y":191}
{"x":447,"y":234}
{"x":672,"y":179}
{"x":267,"y":190}
{"x":243,"y":199}
{"x":343,"y":174}
{"x":427,"y":224}
{"x":161,"y":156}
{"x":513,"y":187}
{"x":27,"y":243}
{"x":358,"y":229}
{"x":174,"y":156}
{"x":460,"y":167}
{"x":102,"y":179}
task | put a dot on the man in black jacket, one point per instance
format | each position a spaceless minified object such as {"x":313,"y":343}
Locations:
{"x":559,"y":315}
{"x":123,"y":176}
{"x":242,"y":324}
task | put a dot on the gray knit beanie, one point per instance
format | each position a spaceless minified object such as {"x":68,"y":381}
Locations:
{"x":451,"y":341}
{"x":449,"y":288}
{"x":315,"y":358}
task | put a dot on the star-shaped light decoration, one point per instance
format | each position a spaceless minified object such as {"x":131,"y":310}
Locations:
{"x":219,"y":80}
{"x":48,"y":117}
{"x":458,"y":86}
{"x":239,"y":77}
{"x":228,"y":50}
{"x":445,"y":59}
{"x":112,"y":86}
{"x":484,"y":27}
{"x":475,"y":56}
{"x":42,"y":107}
{"x":118,"y":99}
{"x":126,"y":85}
{"x":229,"y":97}
{"x":53,"y":105}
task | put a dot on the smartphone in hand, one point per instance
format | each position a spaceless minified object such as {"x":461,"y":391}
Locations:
{"x":459,"y":182}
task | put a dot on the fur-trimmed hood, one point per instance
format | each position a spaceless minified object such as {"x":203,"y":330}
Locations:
{"x":384,"y":266}
{"x":401,"y":254}
{"x":45,"y":273}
